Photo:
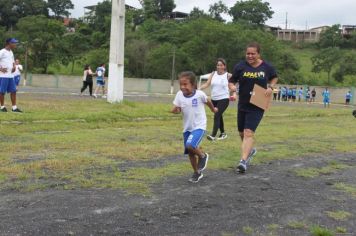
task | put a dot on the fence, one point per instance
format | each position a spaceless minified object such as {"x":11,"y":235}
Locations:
{"x":164,"y":86}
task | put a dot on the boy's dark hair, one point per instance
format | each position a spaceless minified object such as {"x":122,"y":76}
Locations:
{"x":190,"y":76}
{"x":254,"y":45}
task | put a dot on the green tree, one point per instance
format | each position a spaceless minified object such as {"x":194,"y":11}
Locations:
{"x":288,"y":66}
{"x":73,"y":46}
{"x":331,"y":37}
{"x":157,"y":9}
{"x":347,"y":67}
{"x":12,"y":10}
{"x":43,"y":37}
{"x":326,"y":60}
{"x":197,"y":13}
{"x":217,"y":9}
{"x":60,"y":7}
{"x":254,"y":12}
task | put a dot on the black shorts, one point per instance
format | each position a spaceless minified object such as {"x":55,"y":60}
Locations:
{"x":347,"y":100}
{"x":249,"y":119}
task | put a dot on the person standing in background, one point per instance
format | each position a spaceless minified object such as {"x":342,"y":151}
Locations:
{"x":87,"y":80}
{"x":348,"y":97}
{"x":7,"y":68}
{"x":17,"y":73}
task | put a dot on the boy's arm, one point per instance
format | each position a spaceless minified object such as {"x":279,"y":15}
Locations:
{"x":211,"y":106}
{"x":176,"y":110}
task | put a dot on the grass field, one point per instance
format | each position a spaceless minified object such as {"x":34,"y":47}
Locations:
{"x":69,"y":142}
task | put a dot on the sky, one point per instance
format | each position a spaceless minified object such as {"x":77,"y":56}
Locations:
{"x":300,"y":14}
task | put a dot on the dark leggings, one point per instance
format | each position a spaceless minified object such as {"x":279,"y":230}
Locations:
{"x":85,"y":85}
{"x":218,"y":116}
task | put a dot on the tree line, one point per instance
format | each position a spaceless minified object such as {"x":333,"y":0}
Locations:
{"x":153,"y":38}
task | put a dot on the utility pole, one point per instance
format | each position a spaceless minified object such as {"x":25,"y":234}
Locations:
{"x":116,"y":57}
{"x":173,"y":69}
{"x":286,"y":20}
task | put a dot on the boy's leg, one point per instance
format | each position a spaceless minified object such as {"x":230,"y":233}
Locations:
{"x":194,"y":162}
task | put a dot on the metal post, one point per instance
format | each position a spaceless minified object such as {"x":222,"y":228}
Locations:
{"x":116,"y":58}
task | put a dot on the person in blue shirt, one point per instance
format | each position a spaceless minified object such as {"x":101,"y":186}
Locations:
{"x":294,"y":94}
{"x":326,"y":97}
{"x":253,"y":70}
{"x":348,"y":97}
{"x":300,"y":94}
{"x":100,"y":80}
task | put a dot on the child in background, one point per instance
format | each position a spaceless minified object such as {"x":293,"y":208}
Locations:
{"x":190,"y":102}
{"x":100,"y":80}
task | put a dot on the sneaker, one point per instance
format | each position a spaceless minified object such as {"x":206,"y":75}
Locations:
{"x":251,"y":155}
{"x":242,"y":167}
{"x":16,"y":110}
{"x":203,"y":162}
{"x":104,"y":96}
{"x":196,"y":177}
{"x":211,"y":138}
{"x":222,"y":136}
{"x":95,"y":96}
{"x":3,"y":109}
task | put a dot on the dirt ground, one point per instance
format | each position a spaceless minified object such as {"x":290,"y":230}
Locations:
{"x":266,"y":199}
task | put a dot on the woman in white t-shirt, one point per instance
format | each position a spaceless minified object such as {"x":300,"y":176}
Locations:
{"x":218,"y":81}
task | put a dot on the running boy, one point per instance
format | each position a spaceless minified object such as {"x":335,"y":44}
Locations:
{"x":100,"y":80}
{"x":190,"y":102}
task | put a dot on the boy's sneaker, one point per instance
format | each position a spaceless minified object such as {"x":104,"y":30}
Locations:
{"x":203,"y":162}
{"x":16,"y":110}
{"x":222,"y":136}
{"x":196,"y":177}
{"x":242,"y":167}
{"x":211,"y":138}
{"x":95,"y":96}
{"x":3,"y":109}
{"x":251,"y":155}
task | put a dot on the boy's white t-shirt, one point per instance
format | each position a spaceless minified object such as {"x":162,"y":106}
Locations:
{"x":193,"y":109}
{"x":7,"y":61}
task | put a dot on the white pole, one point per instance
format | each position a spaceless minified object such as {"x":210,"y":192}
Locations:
{"x":116,"y":58}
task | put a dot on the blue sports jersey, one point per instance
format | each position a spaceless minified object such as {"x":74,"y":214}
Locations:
{"x":100,"y":73}
{"x":326,"y":94}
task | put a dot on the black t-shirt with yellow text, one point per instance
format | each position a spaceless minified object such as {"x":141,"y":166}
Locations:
{"x":247,"y":76}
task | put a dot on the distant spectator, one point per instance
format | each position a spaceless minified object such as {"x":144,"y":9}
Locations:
{"x":326,"y":97}
{"x":100,"y":80}
{"x":289,"y":93}
{"x":300,"y":94}
{"x":307,"y":95}
{"x":348,"y":97}
{"x":313,"y":95}
{"x":275,"y":93}
{"x":17,"y":73}
{"x":294,"y":94}
{"x":279,"y":93}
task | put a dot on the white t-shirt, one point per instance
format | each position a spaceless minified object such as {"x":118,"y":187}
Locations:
{"x":219,"y":86}
{"x":18,"y":70}
{"x":193,"y":109}
{"x":7,"y":61}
